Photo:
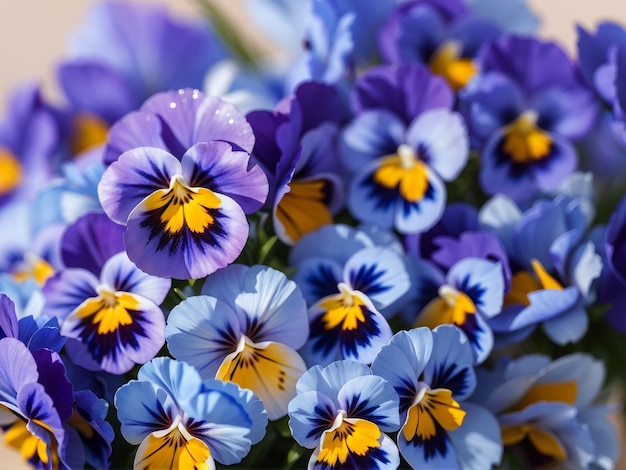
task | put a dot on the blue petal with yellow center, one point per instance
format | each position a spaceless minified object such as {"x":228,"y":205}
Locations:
{"x":345,"y":325}
{"x":343,"y":411}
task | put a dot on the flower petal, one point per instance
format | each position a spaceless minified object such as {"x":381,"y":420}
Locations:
{"x":135,"y":175}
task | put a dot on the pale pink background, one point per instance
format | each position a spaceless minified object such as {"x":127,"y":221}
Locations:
{"x":34,"y":35}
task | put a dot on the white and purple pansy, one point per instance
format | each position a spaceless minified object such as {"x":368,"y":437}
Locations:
{"x":180,"y":421}
{"x":244,"y":328}
{"x":342,"y":411}
{"x":112,"y":322}
{"x":398,"y":164}
{"x":471,"y":294}
{"x":432,"y":372}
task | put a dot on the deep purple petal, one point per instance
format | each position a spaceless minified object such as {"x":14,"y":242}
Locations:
{"x":136,"y":129}
{"x":95,"y":87}
{"x":189,"y":117}
{"x":8,"y":318}
{"x":406,"y":90}
{"x":52,"y":376}
{"x":90,"y":241}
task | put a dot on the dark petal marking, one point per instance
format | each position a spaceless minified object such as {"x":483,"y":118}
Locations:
{"x":474,"y":292}
{"x":323,"y":421}
{"x":385,"y":197}
{"x":349,"y":340}
{"x":366,"y":279}
{"x":451,"y":377}
{"x":437,"y":444}
{"x":184,"y":238}
{"x":323,"y":282}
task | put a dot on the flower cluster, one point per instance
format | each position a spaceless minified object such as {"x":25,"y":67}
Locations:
{"x":401,"y":245}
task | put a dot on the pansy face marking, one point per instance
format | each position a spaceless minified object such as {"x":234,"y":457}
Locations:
{"x":448,"y":62}
{"x":170,"y":211}
{"x":404,"y":173}
{"x":174,"y":445}
{"x":431,"y":411}
{"x":346,"y":437}
{"x":451,"y":307}
{"x":524,"y":142}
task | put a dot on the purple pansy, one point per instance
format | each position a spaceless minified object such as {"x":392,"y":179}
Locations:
{"x":112,"y":322}
{"x":403,"y":143}
{"x":183,"y":184}
{"x":445,"y":36}
{"x":524,"y":110}
{"x":296,"y":146}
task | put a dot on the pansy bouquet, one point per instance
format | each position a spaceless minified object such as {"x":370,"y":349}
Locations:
{"x":403,"y":244}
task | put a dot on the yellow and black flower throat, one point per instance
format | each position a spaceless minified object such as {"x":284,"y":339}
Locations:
{"x":448,"y":62}
{"x":428,"y":420}
{"x":108,"y":323}
{"x":524,"y":142}
{"x":182,"y":215}
{"x":177,"y":448}
{"x":350,"y":443}
{"x":346,"y":320}
{"x":401,"y":176}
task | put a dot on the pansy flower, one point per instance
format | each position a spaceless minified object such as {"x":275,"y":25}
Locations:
{"x":471,"y":293}
{"x":179,"y":421}
{"x":525,"y":109}
{"x":296,"y":146}
{"x":244,"y":328}
{"x":52,"y":425}
{"x":445,"y":36}
{"x":343,"y":412}
{"x":554,"y":266}
{"x":113,"y":322}
{"x":403,"y":143}
{"x":184,"y":203}
{"x":347,"y":288}
{"x":433,"y":375}
{"x":546,"y":409}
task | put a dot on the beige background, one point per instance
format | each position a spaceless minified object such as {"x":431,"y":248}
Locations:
{"x":34,"y":34}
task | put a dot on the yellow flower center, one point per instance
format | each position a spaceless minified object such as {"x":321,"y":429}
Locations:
{"x":344,"y":309}
{"x":524,"y":142}
{"x":405,"y":171}
{"x":451,"y":307}
{"x":88,"y":131}
{"x":523,"y":283}
{"x":543,"y":440}
{"x":347,"y":436}
{"x":110,"y":310}
{"x":432,"y":409}
{"x":182,"y":206}
{"x":174,"y":448}
{"x":447,"y":62}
